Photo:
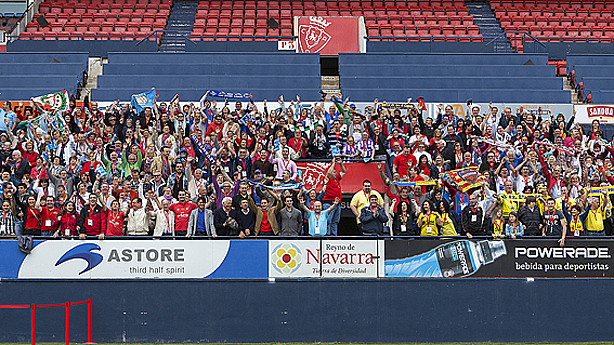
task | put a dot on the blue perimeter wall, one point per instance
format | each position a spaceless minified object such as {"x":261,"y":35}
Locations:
{"x":465,"y":310}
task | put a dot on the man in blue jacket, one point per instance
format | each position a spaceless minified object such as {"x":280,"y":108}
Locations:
{"x":373,"y":218}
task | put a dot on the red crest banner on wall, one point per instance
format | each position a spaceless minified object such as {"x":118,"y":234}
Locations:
{"x":330,"y":35}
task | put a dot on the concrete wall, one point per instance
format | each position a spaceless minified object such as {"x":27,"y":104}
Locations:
{"x":498,"y":310}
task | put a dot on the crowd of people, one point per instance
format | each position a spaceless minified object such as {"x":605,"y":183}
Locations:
{"x":208,"y":170}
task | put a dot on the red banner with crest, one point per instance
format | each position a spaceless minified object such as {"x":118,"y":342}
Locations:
{"x":329,"y":35}
{"x":313,"y":174}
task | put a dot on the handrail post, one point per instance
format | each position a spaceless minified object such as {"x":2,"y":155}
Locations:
{"x":89,"y":321}
{"x":33,"y":324}
{"x":67,"y":323}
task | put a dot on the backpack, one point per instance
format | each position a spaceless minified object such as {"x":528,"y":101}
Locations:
{"x":25,"y":244}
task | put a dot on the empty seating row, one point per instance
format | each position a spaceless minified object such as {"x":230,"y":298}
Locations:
{"x":24,"y":75}
{"x":265,"y":75}
{"x":253,"y":14}
{"x":37,"y":68}
{"x":110,"y":94}
{"x":560,"y":19}
{"x":565,"y":31}
{"x":230,"y":82}
{"x":460,"y":96}
{"x":436,"y":81}
{"x":443,"y":59}
{"x":43,"y":57}
{"x":552,"y":11}
{"x":111,"y":18}
{"x":422,"y":70}
{"x":214,"y":58}
{"x":211,"y":69}
{"x":103,"y":17}
{"x":451,"y":77}
{"x":77,"y":36}
{"x":556,"y":21}
{"x":577,"y":4}
{"x":341,"y":4}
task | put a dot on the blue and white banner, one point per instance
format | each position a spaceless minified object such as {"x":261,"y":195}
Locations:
{"x":225,"y":95}
{"x":144,"y":100}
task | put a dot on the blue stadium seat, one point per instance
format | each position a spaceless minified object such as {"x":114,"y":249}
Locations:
{"x":219,"y":58}
{"x":454,"y":83}
{"x":460,"y":96}
{"x":446,"y":70}
{"x":458,"y":59}
{"x":195,"y":94}
{"x":451,"y":77}
{"x":239,"y":83}
{"x":40,"y":68}
{"x":210,"y":69}
{"x":44,"y":57}
{"x":265,"y":75}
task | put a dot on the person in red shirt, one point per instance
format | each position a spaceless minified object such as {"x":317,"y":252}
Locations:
{"x":182,"y":210}
{"x":28,"y":154}
{"x":49,"y":217}
{"x":69,"y":219}
{"x":299,"y":143}
{"x":33,"y":218}
{"x":92,"y":219}
{"x":115,"y":220}
{"x":332,"y":193}
{"x":403,"y":162}
{"x":215,"y":127}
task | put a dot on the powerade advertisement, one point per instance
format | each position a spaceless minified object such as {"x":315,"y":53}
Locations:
{"x":498,"y":259}
{"x":307,"y":258}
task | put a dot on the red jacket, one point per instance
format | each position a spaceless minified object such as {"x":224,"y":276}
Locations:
{"x":69,"y":221}
{"x":33,"y":219}
{"x":49,"y":219}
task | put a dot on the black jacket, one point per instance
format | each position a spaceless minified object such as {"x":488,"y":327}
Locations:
{"x":219,"y":217}
{"x":471,"y":224}
{"x":531,"y":220}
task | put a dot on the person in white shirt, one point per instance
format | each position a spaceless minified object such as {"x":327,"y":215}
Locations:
{"x":138,"y":219}
{"x":165,"y":219}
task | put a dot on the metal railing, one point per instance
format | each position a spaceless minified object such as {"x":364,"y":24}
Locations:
{"x":516,"y":35}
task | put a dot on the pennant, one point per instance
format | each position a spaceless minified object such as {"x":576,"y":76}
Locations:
{"x":203,"y":150}
{"x":599,"y":191}
{"x":464,"y":179}
{"x":415,"y":183}
{"x":225,"y":95}
{"x":421,"y":103}
{"x":495,"y":143}
{"x":245,"y":119}
{"x":558,"y":148}
{"x":143,"y":100}
{"x":395,"y":106}
{"x":282,"y":187}
{"x":519,"y":197}
{"x":344,"y":108}
{"x":100,"y":171}
{"x":57,"y":101}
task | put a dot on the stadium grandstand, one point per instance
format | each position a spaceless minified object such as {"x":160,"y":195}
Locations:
{"x":281,"y":171}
